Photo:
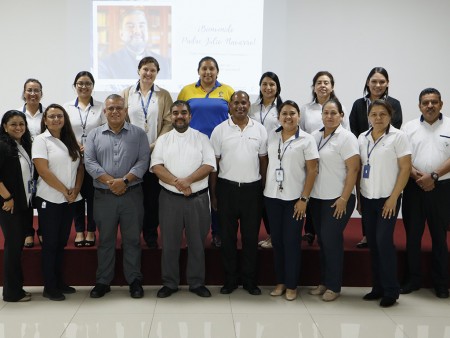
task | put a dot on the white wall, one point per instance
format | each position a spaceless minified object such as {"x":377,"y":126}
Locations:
{"x":46,"y":39}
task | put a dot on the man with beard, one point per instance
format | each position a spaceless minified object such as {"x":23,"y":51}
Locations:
{"x":182,"y":159}
{"x":123,"y":64}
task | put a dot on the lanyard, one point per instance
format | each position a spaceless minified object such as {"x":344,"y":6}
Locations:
{"x":320,"y":147}
{"x":83,"y":124}
{"x":281,"y":153}
{"x":29,"y":162}
{"x":370,"y":152}
{"x":260,"y":112}
{"x":145,"y":108}
{"x":24,"y":110}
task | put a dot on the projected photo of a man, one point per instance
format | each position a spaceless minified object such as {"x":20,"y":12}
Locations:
{"x":126,"y":34}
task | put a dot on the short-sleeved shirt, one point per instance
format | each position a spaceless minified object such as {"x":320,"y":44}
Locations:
{"x":33,"y":121}
{"x":60,"y":164}
{"x":294,"y":153}
{"x":430,"y":144}
{"x":383,"y":161}
{"x":182,"y":154}
{"x":334,"y":150}
{"x":91,"y":117}
{"x":118,"y":154}
{"x":208,"y":109}
{"x":311,"y":117}
{"x":239,"y":150}
{"x":267,"y":116}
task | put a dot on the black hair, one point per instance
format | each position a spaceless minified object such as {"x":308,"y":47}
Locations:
{"x":181,"y":103}
{"x":427,"y":91}
{"x":67,"y":135}
{"x":26,"y":137}
{"x":382,"y":71}
{"x":146,"y":60}
{"x":83,"y":73}
{"x":289,"y":103}
{"x":275,"y":78}
{"x":208,"y":58}
{"x":384,"y":103}
{"x":338,"y":104}
{"x":316,"y":77}
{"x":27,"y":82}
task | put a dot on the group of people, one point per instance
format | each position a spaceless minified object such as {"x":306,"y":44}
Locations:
{"x":213,"y":159}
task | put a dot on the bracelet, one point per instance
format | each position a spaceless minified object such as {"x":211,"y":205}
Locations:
{"x":8,"y":199}
{"x":342,"y":198}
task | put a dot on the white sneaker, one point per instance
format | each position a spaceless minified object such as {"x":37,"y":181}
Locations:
{"x":260,"y":243}
{"x":267,"y":244}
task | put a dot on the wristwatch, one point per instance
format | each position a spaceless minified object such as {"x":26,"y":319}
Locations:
{"x":435,"y":176}
{"x":126,"y":181}
{"x":304,"y":199}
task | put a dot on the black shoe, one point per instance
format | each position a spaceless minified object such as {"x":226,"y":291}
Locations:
{"x":201,"y":291}
{"x":441,"y":292}
{"x":372,"y":296}
{"x":227,"y":289}
{"x":387,"y":301}
{"x":165,"y":292}
{"x":408,"y":288}
{"x":66,"y":289}
{"x":89,"y":243}
{"x":252,"y":289}
{"x":309,"y":237}
{"x":362,"y":245}
{"x":216,"y":241}
{"x":99,"y":290}
{"x":53,"y":294}
{"x":136,"y":290}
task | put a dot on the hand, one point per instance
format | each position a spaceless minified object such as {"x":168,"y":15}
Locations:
{"x":182,"y":183}
{"x":72,"y":196}
{"x":341,"y":208}
{"x":425,"y":182}
{"x":389,"y":208}
{"x":117,"y":186}
{"x":299,"y":210}
{"x":66,"y":194}
{"x":9,"y":206}
{"x":187,"y":191}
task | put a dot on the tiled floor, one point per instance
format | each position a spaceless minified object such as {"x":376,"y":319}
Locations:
{"x":239,"y":315}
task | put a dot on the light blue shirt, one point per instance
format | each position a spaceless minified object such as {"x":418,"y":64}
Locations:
{"x":116,"y":154}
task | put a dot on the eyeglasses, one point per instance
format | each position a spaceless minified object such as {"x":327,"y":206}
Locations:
{"x":33,"y":91}
{"x":84,"y":84}
{"x":113,"y":109}
{"x":54,"y":117}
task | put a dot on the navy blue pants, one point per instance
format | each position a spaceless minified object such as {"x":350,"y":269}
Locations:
{"x":380,"y":238}
{"x":286,"y":234}
{"x":330,"y":235}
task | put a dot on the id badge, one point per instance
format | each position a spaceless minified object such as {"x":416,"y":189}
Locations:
{"x":83,"y":139}
{"x":366,"y":171}
{"x":279,"y":175}
{"x":32,"y":186}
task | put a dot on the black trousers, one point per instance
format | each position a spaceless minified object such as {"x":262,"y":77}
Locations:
{"x":433,"y":208}
{"x":13,"y":227}
{"x":87,"y":191}
{"x":151,"y":190}
{"x":56,"y":221}
{"x":380,"y":238}
{"x":243,"y":204}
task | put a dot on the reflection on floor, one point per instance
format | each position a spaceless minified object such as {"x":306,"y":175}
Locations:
{"x":239,"y":315}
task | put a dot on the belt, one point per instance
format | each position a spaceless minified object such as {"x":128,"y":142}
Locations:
{"x":108,"y":192}
{"x":238,"y":184}
{"x":194,"y":194}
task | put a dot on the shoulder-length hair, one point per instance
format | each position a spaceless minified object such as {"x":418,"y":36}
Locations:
{"x":67,"y":135}
{"x":25,"y":141}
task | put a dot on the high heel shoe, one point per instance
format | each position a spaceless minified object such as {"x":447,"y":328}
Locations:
{"x":291,"y":294}
{"x":279,"y":290}
{"x":89,"y":243}
{"x":77,"y":242}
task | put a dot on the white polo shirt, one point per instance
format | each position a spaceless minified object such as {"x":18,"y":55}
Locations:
{"x":430,"y":144}
{"x":383,"y":161}
{"x":267,"y":116}
{"x":334,"y":150}
{"x":91,"y":117}
{"x":311,"y":117}
{"x":33,"y":121}
{"x":182,"y":154}
{"x":239,"y":150}
{"x":60,"y":164}
{"x":295,"y":151}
